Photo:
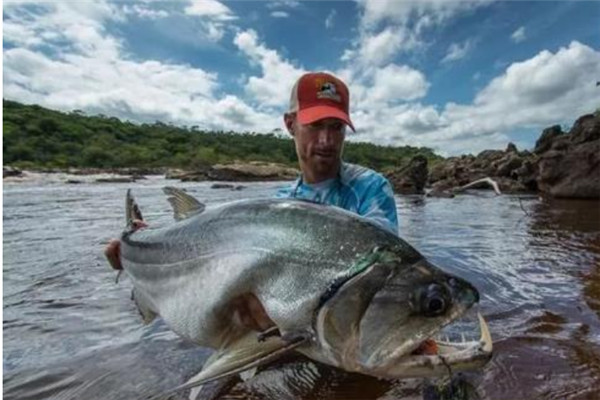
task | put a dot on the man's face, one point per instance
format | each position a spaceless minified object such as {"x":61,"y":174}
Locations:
{"x":319,"y":146}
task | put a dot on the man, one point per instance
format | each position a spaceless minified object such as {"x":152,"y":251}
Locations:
{"x":317,"y":120}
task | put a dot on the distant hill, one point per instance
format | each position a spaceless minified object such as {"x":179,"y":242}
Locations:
{"x":36,"y":137}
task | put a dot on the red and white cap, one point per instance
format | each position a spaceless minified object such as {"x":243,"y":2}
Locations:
{"x":319,"y":95}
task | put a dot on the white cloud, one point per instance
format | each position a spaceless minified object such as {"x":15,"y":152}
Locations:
{"x":563,"y":80}
{"x":280,"y":14}
{"x":89,"y":70}
{"x":389,"y":28}
{"x":329,"y":19}
{"x":519,"y":35}
{"x":380,"y":48}
{"x":147,"y":91}
{"x":143,"y":11}
{"x":546,"y":89}
{"x":273,"y":88}
{"x":80,"y":24}
{"x":456,"y":51}
{"x":423,"y":13}
{"x":210,"y":8}
{"x":213,"y":16}
{"x":395,"y":83}
{"x":282,"y":4}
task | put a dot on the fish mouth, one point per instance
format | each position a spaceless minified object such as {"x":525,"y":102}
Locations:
{"x":435,"y":356}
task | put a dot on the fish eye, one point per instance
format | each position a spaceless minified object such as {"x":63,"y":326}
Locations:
{"x":432,"y":300}
{"x":435,"y":305}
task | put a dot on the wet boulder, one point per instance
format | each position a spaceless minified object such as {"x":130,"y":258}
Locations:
{"x":412,"y":178}
{"x":545,"y":141}
{"x":572,"y":170}
{"x":8,"y":171}
{"x":252,"y":171}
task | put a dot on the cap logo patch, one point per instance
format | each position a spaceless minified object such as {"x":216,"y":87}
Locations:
{"x":327,"y":90}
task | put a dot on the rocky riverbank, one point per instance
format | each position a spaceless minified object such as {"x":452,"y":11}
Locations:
{"x":563,"y":165}
{"x":236,"y":172}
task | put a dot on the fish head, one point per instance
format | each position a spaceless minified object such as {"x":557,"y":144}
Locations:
{"x":377,"y":318}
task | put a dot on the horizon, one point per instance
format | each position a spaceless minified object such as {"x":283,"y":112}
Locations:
{"x":281,"y":135}
{"x":457,"y":77}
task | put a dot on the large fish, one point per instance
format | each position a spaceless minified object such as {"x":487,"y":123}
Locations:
{"x":255,"y":279}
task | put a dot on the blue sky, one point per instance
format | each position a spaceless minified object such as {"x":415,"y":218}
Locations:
{"x":456,"y":76}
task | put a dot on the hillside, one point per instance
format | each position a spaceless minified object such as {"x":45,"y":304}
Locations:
{"x":39,"y":138}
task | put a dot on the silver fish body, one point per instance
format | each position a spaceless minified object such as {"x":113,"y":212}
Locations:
{"x":362,"y":297}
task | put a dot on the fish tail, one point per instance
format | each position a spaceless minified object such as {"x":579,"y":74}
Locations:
{"x":132,"y":212}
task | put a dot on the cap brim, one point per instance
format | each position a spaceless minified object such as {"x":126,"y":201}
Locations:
{"x":313,"y":114}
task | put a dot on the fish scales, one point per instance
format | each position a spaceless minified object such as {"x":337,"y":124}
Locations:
{"x":285,"y":252}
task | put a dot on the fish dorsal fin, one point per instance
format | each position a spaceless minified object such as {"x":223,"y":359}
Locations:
{"x":184,"y":205}
{"x":132,"y":211}
{"x":241,"y":355}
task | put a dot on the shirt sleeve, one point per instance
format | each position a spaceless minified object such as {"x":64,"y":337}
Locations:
{"x":378,"y":205}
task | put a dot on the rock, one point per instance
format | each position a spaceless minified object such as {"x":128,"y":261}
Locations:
{"x":73,"y":181}
{"x":198,"y":175}
{"x":443,"y":189}
{"x":490,"y":155}
{"x":561,"y":143}
{"x":526,"y":175}
{"x":511,"y":148}
{"x":562,"y":164}
{"x":571,"y":174}
{"x":8,"y":171}
{"x":440,"y":193}
{"x":585,"y":129}
{"x":438,"y":172}
{"x":571,"y":168}
{"x":508,"y":164}
{"x":174,"y":173}
{"x":412,"y":178}
{"x":544,"y":143}
{"x":120,"y":179}
{"x":227,"y":186}
{"x":222,"y":186}
{"x":252,"y":171}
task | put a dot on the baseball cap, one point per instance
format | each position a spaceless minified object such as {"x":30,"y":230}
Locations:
{"x":319,"y":95}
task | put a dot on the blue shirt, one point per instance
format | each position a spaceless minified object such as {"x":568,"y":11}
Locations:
{"x":357,"y":189}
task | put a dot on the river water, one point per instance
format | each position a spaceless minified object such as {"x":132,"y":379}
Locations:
{"x":70,"y":332}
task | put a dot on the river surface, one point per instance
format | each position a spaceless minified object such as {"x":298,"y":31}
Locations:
{"x":70,"y":332}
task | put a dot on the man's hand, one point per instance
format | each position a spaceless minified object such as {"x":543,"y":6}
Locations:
{"x":112,"y":251}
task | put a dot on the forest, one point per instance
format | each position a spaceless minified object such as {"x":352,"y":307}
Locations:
{"x":35,"y":137}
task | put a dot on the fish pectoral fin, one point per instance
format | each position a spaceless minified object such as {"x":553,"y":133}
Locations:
{"x":184,"y":205}
{"x":241,"y":355}
{"x":267,"y":333}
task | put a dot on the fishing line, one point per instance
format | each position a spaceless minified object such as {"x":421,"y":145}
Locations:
{"x":118,"y":276}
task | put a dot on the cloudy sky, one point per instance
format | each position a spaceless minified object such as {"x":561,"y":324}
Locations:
{"x":458,"y":77}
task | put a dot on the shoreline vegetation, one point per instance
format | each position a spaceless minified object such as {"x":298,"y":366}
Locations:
{"x":563,"y":164}
{"x":36,"y":138}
